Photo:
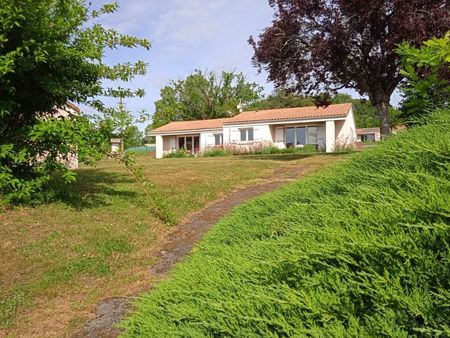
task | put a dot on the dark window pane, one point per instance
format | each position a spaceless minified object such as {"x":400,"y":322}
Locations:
{"x":181,"y":143}
{"x":243,"y":134}
{"x":250,"y":134}
{"x":196,"y":144}
{"x":290,"y":137}
{"x":218,"y":139}
{"x":301,"y":136}
{"x":189,"y":144}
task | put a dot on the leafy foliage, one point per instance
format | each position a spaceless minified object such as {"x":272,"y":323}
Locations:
{"x":282,"y":99}
{"x":179,"y":153}
{"x":427,"y":72}
{"x":365,"y":112}
{"x":51,"y":53}
{"x":204,"y":96}
{"x":332,"y":44}
{"x":360,"y":250}
{"x":133,"y":137}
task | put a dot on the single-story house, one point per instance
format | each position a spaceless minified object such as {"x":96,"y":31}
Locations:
{"x":326,"y":127}
{"x":368,"y":135}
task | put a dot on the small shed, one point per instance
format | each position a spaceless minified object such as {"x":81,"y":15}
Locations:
{"x":368,"y":135}
{"x":116,"y":145}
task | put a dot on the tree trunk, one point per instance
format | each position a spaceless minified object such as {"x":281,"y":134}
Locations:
{"x":382,"y":106}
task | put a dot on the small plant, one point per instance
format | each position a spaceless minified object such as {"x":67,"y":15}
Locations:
{"x":215,"y":151}
{"x":178,"y":153}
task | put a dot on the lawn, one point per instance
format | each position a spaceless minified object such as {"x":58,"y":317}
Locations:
{"x":95,"y":241}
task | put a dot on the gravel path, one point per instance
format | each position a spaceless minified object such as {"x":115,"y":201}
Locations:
{"x":178,"y":243}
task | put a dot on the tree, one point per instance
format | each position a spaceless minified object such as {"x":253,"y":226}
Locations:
{"x":133,"y":137}
{"x":282,"y":99}
{"x":365,"y":112}
{"x":204,"y":96}
{"x":330,"y":44}
{"x":52,"y":52}
{"x":427,"y":72}
{"x":148,"y":139}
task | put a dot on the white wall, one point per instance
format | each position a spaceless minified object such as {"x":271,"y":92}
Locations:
{"x":159,"y":152}
{"x":261,"y":133}
{"x":207,"y":139}
{"x":346,"y":131}
{"x":330,"y":135}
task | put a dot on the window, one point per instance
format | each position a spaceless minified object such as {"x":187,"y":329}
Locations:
{"x":290,"y":137}
{"x":246,"y":134}
{"x":312,"y":135}
{"x":196,"y":144}
{"x":189,"y":144}
{"x":300,"y":135}
{"x":181,"y":142}
{"x":218,"y":139}
{"x":368,"y":137}
{"x":296,"y":136}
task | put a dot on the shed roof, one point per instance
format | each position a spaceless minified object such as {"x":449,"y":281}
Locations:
{"x":367,"y":130}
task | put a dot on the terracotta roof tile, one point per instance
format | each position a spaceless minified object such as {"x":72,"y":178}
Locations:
{"x":271,"y":115}
{"x":191,"y":125}
{"x":334,"y":110}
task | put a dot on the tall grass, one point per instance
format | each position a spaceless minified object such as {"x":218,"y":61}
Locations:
{"x":361,"y":250}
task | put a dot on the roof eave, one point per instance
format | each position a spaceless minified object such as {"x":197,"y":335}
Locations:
{"x":282,"y":121}
{"x":181,"y":132}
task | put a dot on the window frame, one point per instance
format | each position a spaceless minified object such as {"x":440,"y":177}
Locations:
{"x":247,"y":132}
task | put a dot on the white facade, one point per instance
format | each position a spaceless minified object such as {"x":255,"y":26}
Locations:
{"x":327,"y":134}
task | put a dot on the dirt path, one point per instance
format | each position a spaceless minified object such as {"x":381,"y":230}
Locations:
{"x":179,"y":241}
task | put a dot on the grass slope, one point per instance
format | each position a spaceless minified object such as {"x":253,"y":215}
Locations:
{"x":362,"y":250}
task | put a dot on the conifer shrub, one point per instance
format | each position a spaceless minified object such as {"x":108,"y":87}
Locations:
{"x":359,"y":250}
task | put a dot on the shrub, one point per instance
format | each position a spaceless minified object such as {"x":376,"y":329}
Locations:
{"x":266,"y":148}
{"x":360,"y":250}
{"x":215,"y":151}
{"x":178,"y":153}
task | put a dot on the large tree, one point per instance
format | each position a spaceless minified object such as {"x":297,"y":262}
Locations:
{"x":204,"y":95}
{"x":52,"y":52}
{"x":314,"y":45}
{"x":427,"y":70}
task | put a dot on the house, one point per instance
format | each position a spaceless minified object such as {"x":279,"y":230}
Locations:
{"x":368,"y":135}
{"x":326,"y":127}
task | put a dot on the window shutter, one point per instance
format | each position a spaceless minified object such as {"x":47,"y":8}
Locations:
{"x":279,"y":135}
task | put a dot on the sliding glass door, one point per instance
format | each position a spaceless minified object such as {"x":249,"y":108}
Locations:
{"x":189,"y":143}
{"x":297,"y":136}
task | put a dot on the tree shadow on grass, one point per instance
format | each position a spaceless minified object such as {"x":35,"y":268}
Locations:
{"x":93,"y":188}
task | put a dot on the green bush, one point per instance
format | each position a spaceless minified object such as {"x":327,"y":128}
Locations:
{"x":215,"y":151}
{"x":178,"y":153}
{"x":360,"y":250}
{"x":309,"y":148}
{"x":256,"y":149}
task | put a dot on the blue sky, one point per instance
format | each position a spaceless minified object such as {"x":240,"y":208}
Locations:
{"x":187,"y":35}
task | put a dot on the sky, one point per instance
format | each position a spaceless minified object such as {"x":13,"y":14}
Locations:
{"x":187,"y":35}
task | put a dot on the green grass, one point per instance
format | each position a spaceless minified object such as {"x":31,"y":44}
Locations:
{"x":95,"y":239}
{"x":360,"y":251}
